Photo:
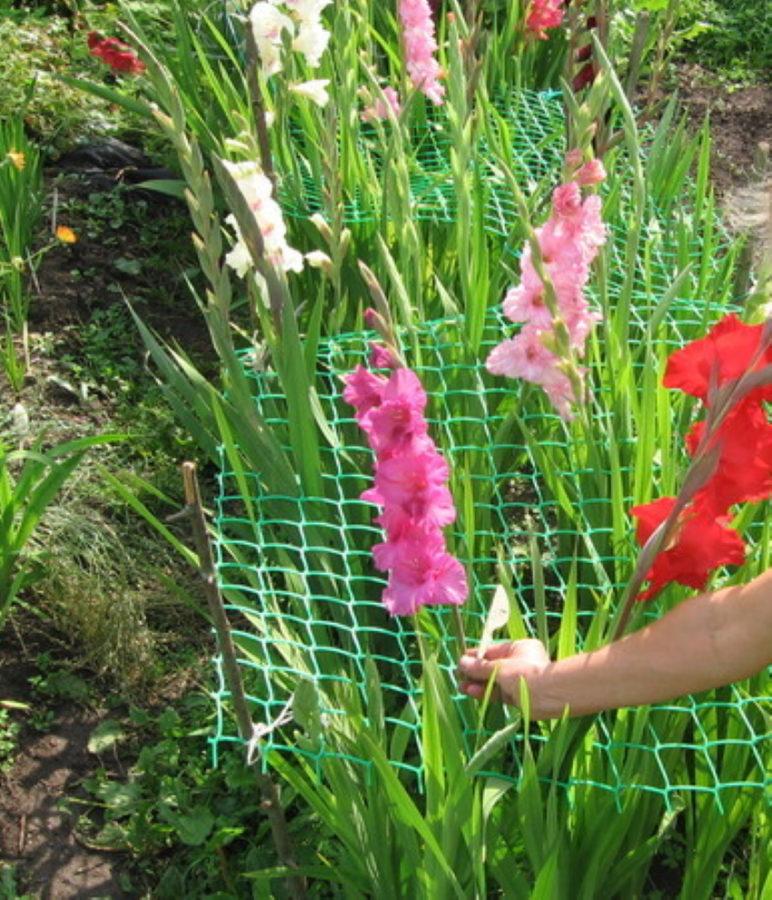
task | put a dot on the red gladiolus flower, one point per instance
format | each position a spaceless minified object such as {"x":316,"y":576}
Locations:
{"x":701,"y":544}
{"x":543,"y":14}
{"x":728,"y":348}
{"x":744,"y":470}
{"x":115,"y":53}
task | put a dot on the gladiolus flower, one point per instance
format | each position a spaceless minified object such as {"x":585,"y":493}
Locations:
{"x":411,"y":485}
{"x":591,"y":172}
{"x":268,"y":25}
{"x":543,"y":14}
{"x":420,"y":46}
{"x":569,"y":242}
{"x":119,"y":56}
{"x":363,"y":390}
{"x":727,"y":350}
{"x":702,"y":543}
{"x":257,"y":190}
{"x":383,"y":108}
{"x":744,"y":470}
{"x":312,"y":41}
{"x":422,"y":573}
{"x":382,"y":357}
{"x":315,"y":91}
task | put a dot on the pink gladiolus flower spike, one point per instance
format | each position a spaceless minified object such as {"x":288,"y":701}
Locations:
{"x":420,"y":45}
{"x":411,"y":487}
{"x":569,"y":242}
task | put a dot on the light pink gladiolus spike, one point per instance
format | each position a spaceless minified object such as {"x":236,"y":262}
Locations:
{"x":420,"y":46}
{"x":569,"y":241}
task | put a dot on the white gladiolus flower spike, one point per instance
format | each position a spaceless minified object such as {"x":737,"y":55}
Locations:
{"x":315,"y":90}
{"x":257,"y":190}
{"x":268,"y":24}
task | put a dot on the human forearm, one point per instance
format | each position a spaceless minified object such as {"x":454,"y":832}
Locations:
{"x":706,"y":641}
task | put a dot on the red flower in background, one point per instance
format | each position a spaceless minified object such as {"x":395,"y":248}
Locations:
{"x":115,"y":53}
{"x":729,"y":348}
{"x":701,"y":544}
{"x":543,"y":14}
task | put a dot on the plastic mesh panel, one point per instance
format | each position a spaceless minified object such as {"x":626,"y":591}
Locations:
{"x":304,"y":596}
{"x":312,"y":593}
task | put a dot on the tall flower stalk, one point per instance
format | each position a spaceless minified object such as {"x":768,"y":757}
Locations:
{"x":410,"y":486}
{"x":686,"y":537}
{"x":554,"y":269}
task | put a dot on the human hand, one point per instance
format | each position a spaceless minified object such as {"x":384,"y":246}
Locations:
{"x":508,"y":663}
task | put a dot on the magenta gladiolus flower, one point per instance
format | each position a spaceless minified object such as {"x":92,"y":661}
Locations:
{"x":381,"y":357}
{"x":363,"y":390}
{"x":420,"y":46}
{"x":411,"y":486}
{"x":422,"y":579}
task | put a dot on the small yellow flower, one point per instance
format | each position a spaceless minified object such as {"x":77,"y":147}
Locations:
{"x":66,"y":235}
{"x":17,"y":159}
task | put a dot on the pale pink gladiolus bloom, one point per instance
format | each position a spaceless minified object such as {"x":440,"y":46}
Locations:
{"x":592,"y":172}
{"x":525,"y":302}
{"x":420,"y":46}
{"x":569,"y":242}
{"x":383,"y":108}
{"x":523,"y":356}
{"x":574,"y":158}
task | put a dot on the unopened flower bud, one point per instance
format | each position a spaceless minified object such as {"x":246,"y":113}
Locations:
{"x":317,"y":259}
{"x":322,"y":227}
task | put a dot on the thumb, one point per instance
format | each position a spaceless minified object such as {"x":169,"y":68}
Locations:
{"x":474,"y":669}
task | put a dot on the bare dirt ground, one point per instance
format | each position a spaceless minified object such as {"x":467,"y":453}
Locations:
{"x":740,"y":119}
{"x":37,"y":833}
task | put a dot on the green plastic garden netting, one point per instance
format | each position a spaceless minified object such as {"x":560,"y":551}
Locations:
{"x":304,"y":597}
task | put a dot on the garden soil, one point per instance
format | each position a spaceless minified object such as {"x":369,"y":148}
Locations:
{"x":740,"y":119}
{"x":37,"y":831}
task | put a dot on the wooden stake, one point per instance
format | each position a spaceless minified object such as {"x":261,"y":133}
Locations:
{"x":269,"y":792}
